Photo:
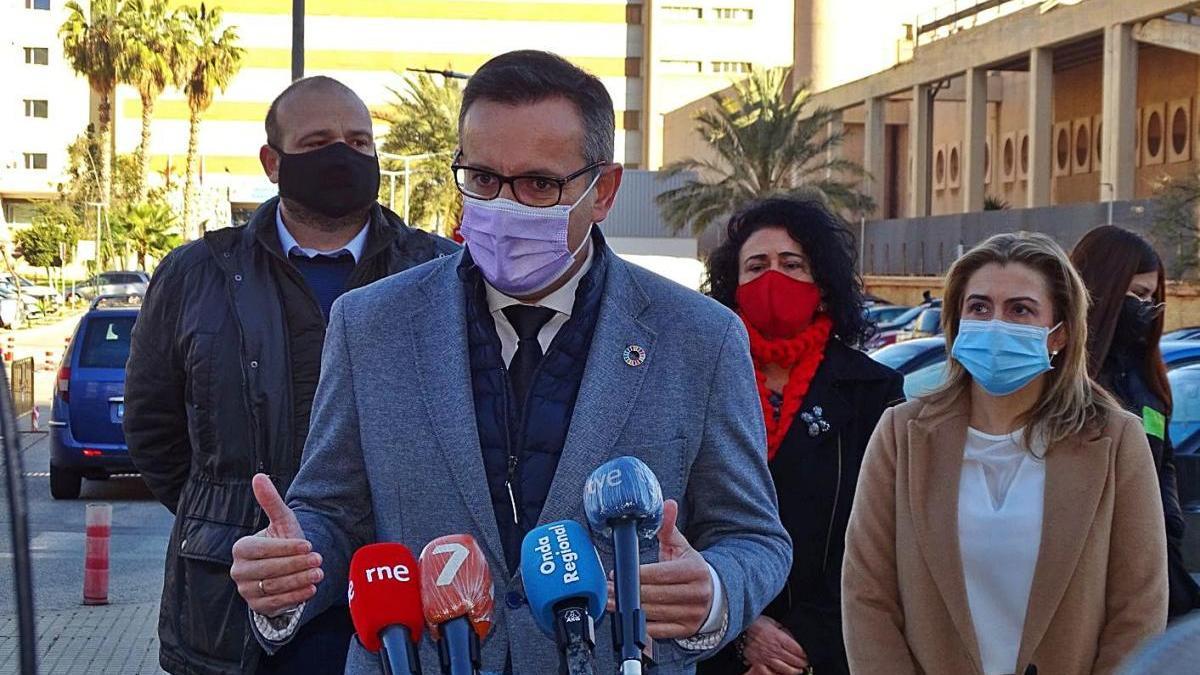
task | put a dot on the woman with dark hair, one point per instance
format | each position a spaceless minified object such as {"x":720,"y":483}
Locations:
{"x":787,"y":268}
{"x":1125,"y":279}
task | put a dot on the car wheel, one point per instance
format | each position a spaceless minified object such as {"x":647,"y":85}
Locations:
{"x":65,"y":484}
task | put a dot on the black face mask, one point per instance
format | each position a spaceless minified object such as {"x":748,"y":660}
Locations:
{"x":1134,"y":323}
{"x":334,"y":181}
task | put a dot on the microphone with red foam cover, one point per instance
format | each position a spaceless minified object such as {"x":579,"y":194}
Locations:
{"x":456,"y":586}
{"x":385,"y":605}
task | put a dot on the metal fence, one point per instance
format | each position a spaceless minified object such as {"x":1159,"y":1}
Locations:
{"x":927,"y":246}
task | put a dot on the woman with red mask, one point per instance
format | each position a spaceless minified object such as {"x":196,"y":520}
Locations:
{"x":787,"y":268}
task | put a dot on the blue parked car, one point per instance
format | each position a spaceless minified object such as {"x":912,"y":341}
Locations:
{"x":86,"y":440}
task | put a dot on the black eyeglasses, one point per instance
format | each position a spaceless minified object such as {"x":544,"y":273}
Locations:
{"x":537,"y":191}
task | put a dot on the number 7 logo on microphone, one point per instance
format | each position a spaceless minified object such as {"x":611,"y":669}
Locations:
{"x":458,"y":555}
{"x":456,"y":582}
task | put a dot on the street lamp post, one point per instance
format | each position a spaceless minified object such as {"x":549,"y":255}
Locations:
{"x":297,"y":39}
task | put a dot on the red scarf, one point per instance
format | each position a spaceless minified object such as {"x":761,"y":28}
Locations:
{"x":801,"y":355}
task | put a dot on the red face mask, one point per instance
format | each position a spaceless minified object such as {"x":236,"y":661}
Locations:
{"x":777,"y":305}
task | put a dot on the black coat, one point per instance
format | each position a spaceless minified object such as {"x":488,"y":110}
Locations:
{"x":815,"y":477}
{"x":1122,"y":375}
{"x":209,"y":404}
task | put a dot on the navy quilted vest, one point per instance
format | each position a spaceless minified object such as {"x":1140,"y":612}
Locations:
{"x":530,"y":446}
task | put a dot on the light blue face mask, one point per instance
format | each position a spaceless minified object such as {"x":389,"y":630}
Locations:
{"x":1002,"y":357}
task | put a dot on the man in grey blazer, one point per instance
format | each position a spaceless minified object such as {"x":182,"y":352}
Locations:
{"x":476,"y":393}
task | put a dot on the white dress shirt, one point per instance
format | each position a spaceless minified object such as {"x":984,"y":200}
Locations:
{"x":1000,"y":503}
{"x":289,"y":244}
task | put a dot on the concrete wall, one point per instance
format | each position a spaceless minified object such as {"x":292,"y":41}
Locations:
{"x":1183,"y":299}
{"x":927,"y":246}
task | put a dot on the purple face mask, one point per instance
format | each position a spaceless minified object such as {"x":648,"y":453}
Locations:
{"x":519,"y":249}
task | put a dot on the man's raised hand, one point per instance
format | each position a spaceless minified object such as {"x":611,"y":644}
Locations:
{"x":275,"y":569}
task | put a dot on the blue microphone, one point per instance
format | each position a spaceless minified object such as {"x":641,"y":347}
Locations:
{"x":567,"y":591}
{"x":623,"y":500}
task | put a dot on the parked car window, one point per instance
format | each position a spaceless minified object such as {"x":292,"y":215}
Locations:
{"x":928,"y":322}
{"x":106,"y":342}
{"x":895,"y":356}
{"x":122,"y":278}
{"x":924,"y":380}
{"x":1185,"y":390}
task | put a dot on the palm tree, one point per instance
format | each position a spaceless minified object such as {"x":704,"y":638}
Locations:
{"x":211,"y":59}
{"x":766,"y":143}
{"x":150,"y":62}
{"x":93,"y":42}
{"x":148,"y":228}
{"x":424,"y":121}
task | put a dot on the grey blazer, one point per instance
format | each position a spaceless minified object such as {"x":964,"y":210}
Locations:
{"x":393,"y":453}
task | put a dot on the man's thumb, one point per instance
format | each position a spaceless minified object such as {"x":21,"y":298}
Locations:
{"x":671,"y":542}
{"x":281,"y":517}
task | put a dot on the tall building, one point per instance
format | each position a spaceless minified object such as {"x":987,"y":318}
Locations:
{"x":1097,"y":101}
{"x":653,"y":56}
{"x":697,"y":47}
{"x":44,"y":107}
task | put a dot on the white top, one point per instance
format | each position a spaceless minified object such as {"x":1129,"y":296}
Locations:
{"x":1000,"y":504}
{"x":561,"y":301}
{"x":289,"y":244}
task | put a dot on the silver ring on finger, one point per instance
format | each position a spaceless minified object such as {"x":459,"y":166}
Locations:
{"x":262,"y":590}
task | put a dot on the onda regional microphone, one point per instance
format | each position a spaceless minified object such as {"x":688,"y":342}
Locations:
{"x":567,"y":591}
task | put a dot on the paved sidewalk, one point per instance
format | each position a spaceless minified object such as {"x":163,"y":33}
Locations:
{"x":105,"y":640}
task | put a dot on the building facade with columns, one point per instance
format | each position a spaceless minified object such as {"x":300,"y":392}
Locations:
{"x":1023,"y":103}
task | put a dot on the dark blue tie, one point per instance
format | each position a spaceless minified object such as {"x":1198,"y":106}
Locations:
{"x":527,"y":322}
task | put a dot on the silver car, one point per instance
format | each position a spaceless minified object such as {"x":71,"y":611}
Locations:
{"x":114,"y":283}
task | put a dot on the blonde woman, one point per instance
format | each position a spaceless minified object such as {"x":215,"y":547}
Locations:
{"x":1010,"y":521}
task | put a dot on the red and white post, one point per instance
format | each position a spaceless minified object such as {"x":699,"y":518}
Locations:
{"x":98,"y":519}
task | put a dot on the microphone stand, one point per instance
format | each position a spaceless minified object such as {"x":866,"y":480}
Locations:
{"x":575,"y":632}
{"x":399,"y":652}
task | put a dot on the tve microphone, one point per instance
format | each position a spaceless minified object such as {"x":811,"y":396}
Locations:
{"x":567,"y":591}
{"x":456,"y":587}
{"x":623,"y":499}
{"x":385,"y":605}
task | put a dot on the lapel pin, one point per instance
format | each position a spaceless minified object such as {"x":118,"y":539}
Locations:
{"x":815,"y":421}
{"x":634,"y":356}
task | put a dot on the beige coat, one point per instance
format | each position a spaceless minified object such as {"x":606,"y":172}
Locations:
{"x":1100,"y":585}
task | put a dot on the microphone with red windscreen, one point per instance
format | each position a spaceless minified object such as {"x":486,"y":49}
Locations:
{"x":456,"y":586}
{"x":385,"y":605}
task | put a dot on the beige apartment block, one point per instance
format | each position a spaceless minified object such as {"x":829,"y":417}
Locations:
{"x":1034,"y":103}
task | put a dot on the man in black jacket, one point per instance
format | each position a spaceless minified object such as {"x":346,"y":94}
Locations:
{"x":225,"y":360}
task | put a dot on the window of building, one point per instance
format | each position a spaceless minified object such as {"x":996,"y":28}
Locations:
{"x":1154,"y":134}
{"x":632,"y":120}
{"x":633,"y":15}
{"x":37,"y":4}
{"x":1099,"y":140}
{"x":35,"y":160}
{"x":1025,"y":155}
{"x":954,"y":167}
{"x":1083,"y":145}
{"x":676,"y":67}
{"x":731,"y":67}
{"x":1062,"y":149}
{"x":633,"y":66}
{"x":734,"y":14}
{"x":37,"y":108}
{"x":37,"y":56}
{"x":1179,"y":131}
{"x":679,"y":12}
